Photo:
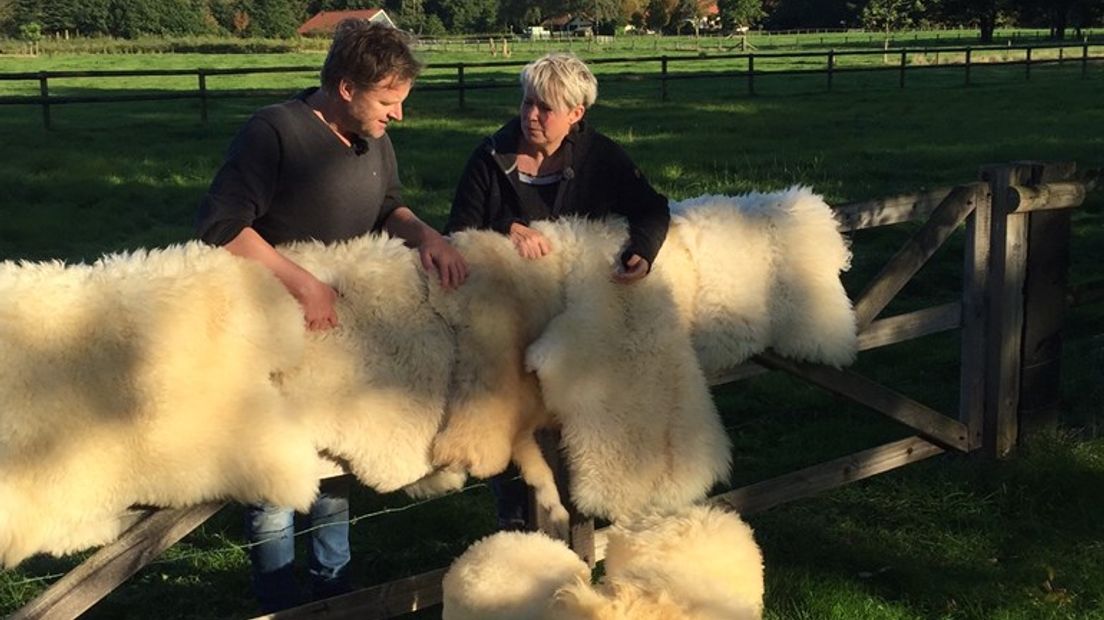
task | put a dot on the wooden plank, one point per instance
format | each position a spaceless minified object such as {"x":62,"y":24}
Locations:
{"x":880,"y":333}
{"x":94,"y":579}
{"x":738,"y":373}
{"x":914,"y":254}
{"x":891,"y":210}
{"x":1008,"y":244}
{"x":813,"y":480}
{"x":1047,"y":269}
{"x":829,"y":475}
{"x":911,"y":325}
{"x":386,"y":600}
{"x":926,"y":421}
{"x":580,"y":527}
{"x":1060,"y":195}
{"x":975,"y":310}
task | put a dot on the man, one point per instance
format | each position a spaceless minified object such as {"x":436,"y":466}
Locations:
{"x":320,"y":166}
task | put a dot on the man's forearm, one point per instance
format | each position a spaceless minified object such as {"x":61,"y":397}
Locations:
{"x":402,"y":223}
{"x":249,"y":244}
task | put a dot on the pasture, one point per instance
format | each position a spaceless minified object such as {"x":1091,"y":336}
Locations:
{"x":955,"y":537}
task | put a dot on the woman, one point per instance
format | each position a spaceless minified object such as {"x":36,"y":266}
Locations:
{"x":546,"y":163}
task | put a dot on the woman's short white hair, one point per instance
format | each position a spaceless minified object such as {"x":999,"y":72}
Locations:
{"x":560,"y":80}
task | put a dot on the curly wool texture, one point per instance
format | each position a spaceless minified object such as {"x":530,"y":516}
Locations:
{"x":699,"y":563}
{"x":510,"y":576}
{"x":178,"y":376}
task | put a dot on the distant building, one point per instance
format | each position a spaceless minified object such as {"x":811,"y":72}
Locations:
{"x":323,"y":23}
{"x":568,"y":24}
{"x":710,"y":16}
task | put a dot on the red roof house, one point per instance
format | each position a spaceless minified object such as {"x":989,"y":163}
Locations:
{"x":325,"y":22}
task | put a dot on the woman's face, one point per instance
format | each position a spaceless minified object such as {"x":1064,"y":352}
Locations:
{"x":543,"y":125}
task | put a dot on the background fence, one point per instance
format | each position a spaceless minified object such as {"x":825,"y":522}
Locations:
{"x":750,"y":67}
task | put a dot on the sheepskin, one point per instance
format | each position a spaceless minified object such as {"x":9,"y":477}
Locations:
{"x":699,"y":563}
{"x":510,"y":576}
{"x":173,"y":377}
{"x":177,"y":376}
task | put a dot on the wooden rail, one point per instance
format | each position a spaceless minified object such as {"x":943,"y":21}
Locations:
{"x":997,"y":251}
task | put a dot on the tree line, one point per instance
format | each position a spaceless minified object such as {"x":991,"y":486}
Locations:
{"x":280,"y":18}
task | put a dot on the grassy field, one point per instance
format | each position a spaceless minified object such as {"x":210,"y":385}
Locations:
{"x":956,"y":537}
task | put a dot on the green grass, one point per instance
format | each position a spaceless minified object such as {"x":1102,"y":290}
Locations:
{"x":953,"y":538}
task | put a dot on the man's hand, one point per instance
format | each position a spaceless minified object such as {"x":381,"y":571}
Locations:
{"x":438,"y":255}
{"x":317,"y":299}
{"x":528,"y":242}
{"x":634,"y":269}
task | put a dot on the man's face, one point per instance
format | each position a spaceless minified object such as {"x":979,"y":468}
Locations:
{"x":369,"y":110}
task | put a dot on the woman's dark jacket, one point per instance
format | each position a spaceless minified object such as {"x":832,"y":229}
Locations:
{"x":599,"y":180}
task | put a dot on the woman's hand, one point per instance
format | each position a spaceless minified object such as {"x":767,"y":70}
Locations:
{"x":528,"y":242}
{"x":634,"y":269}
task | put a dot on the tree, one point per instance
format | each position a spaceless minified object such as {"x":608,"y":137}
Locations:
{"x":740,"y":13}
{"x":1059,"y":15}
{"x":412,"y":16}
{"x":607,"y":14}
{"x":657,"y":15}
{"x":276,"y":18}
{"x":465,"y":15}
{"x":783,"y":14}
{"x":93,"y":18}
{"x":520,"y":14}
{"x":984,"y":14}
{"x":31,"y":32}
{"x":890,"y":15}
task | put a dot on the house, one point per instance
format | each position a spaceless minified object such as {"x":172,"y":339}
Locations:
{"x":324,"y":22}
{"x":570,"y":25}
{"x":708,"y":18}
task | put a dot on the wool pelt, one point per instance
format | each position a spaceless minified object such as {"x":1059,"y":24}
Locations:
{"x":510,"y":576}
{"x":699,"y":563}
{"x":177,"y":376}
{"x":174,"y":377}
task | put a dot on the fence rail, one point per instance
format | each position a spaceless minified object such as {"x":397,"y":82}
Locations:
{"x":461,"y":84}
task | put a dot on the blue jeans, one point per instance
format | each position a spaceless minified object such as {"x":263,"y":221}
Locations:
{"x":270,"y":529}
{"x":511,"y":499}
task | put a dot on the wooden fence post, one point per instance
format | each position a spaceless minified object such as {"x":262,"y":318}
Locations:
{"x":44,"y":90}
{"x":202,"y":95}
{"x":1084,"y":60}
{"x":903,"y":61}
{"x":460,"y":82}
{"x":751,"y":74}
{"x":975,"y":312}
{"x":1008,"y":244}
{"x":581,"y":534}
{"x":1027,"y":65}
{"x":1048,"y":260}
{"x":663,"y":78}
{"x":831,"y":66}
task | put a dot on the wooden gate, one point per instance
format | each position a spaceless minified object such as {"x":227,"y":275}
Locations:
{"x":1014,"y":220}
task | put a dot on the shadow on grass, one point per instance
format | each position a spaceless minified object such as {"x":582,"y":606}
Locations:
{"x":951,"y":538}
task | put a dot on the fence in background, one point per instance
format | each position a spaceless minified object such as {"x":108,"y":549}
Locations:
{"x":905,"y":61}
